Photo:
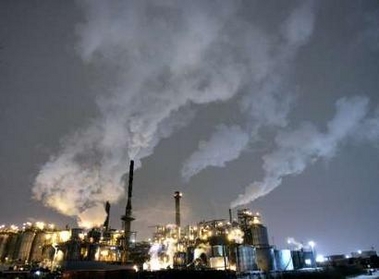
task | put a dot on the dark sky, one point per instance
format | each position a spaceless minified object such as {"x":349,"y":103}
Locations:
{"x":267,"y":105}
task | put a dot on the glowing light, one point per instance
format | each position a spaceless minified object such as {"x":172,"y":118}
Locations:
{"x":14,"y":228}
{"x":40,"y":225}
{"x":162,"y":254}
{"x":312,"y":244}
{"x":64,"y":235}
{"x":97,"y":254}
{"x":320,"y":259}
{"x":135,"y":268}
{"x":233,"y":267}
{"x":218,"y":263}
{"x":256,"y":220}
{"x":81,"y":236}
{"x":104,"y":253}
{"x":235,"y":235}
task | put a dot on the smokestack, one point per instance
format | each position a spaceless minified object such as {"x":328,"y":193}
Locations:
{"x":130,"y":187}
{"x":127,"y":218}
{"x":177,"y":196}
{"x":230,"y":216}
{"x":107,"y":210}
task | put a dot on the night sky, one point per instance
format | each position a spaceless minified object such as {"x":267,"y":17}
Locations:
{"x":268,"y":105}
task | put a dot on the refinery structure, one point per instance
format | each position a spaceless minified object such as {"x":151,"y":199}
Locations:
{"x":240,"y":244}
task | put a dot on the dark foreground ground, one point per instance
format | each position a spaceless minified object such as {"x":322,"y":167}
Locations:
{"x":332,"y":273}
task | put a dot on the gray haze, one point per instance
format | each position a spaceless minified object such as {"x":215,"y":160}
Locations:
{"x":268,"y":105}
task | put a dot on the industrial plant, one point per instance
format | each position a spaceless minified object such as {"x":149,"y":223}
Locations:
{"x":239,"y":245}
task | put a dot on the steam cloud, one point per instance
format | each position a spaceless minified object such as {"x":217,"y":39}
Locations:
{"x":164,"y":58}
{"x":225,"y":145}
{"x":267,"y":103}
{"x":159,"y":58}
{"x":299,"y":148}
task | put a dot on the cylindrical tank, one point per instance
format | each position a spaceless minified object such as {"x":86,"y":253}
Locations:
{"x":75,"y":233}
{"x":265,"y":258}
{"x":245,"y":258}
{"x":92,"y":252}
{"x":27,"y":238}
{"x":283,"y":260}
{"x":219,"y":263}
{"x":94,"y":236}
{"x":259,"y":235}
{"x":301,"y":259}
{"x":203,"y":253}
{"x":73,"y":250}
{"x":11,"y":247}
{"x":218,"y":251}
{"x":37,"y":247}
{"x":4,"y":237}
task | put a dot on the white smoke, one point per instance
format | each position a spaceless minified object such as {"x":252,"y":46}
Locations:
{"x":299,"y":148}
{"x":159,"y":58}
{"x":225,"y":145}
{"x":267,"y":103}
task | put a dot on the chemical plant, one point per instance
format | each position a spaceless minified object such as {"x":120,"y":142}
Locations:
{"x":240,"y":245}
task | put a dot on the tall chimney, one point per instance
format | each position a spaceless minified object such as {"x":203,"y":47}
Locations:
{"x":230,"y":216}
{"x":107,"y":210}
{"x":127,"y":218}
{"x":177,"y":196}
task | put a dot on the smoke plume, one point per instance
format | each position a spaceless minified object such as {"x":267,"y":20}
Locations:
{"x":158,"y":62}
{"x":300,"y":148}
{"x":158,"y":58}
{"x":268,"y":100}
{"x":225,"y":145}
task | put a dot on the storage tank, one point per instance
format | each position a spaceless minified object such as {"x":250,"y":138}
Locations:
{"x":76,"y":233}
{"x":4,"y":237}
{"x":283,"y":260}
{"x":26,"y":242}
{"x":11,"y":246}
{"x":245,"y":258}
{"x":202,"y":252}
{"x":302,"y":259}
{"x":73,"y":246}
{"x":219,"y":251}
{"x":37,"y":247}
{"x":265,"y":258}
{"x":254,"y":232}
{"x":259,"y":235}
{"x":218,"y":263}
